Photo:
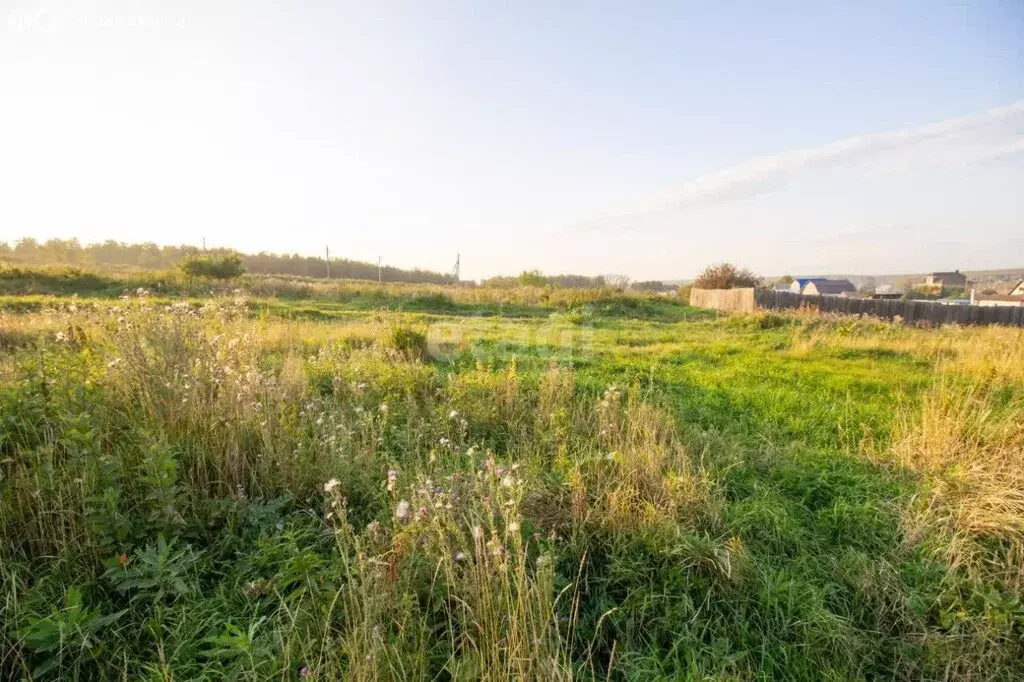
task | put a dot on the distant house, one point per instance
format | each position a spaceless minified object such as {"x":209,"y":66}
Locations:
{"x":829,"y":287}
{"x":998,"y":300}
{"x":946,"y":280}
{"x":800,"y":283}
{"x":887,"y":291}
{"x":783,"y":287}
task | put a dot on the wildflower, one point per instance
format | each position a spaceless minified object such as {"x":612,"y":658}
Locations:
{"x":508,"y":481}
{"x":374,"y":530}
{"x":421,"y":513}
{"x":384,"y":408}
{"x":331,"y":485}
{"x":303,"y":670}
{"x":459,"y":557}
{"x":444,"y":442}
{"x":402,"y":511}
{"x":61,"y":337}
{"x":392,"y":480}
{"x":513,"y":527}
{"x":113,"y":363}
{"x":478,"y":533}
{"x":454,"y":414}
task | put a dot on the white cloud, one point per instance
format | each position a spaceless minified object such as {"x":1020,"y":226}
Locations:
{"x":954,"y":142}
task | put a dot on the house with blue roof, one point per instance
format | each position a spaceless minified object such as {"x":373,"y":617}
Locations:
{"x":797,"y":287}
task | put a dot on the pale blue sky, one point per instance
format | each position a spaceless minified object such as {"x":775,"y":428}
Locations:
{"x":630,"y":137}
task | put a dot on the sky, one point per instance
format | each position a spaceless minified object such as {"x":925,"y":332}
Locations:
{"x":639,"y":138}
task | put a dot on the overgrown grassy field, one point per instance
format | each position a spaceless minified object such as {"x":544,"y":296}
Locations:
{"x":474,"y":485}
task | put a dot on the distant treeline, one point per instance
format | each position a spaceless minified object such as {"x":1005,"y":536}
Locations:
{"x":113,"y":254}
{"x":536,"y":278}
{"x":149,"y":256}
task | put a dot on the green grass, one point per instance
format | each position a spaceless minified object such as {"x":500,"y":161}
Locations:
{"x":612,"y":488}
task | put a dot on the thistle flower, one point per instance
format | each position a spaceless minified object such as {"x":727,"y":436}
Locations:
{"x":331,"y":485}
{"x":402,"y":511}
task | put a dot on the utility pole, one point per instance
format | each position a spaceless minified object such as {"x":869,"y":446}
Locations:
{"x":378,"y":270}
{"x":327,"y":254}
{"x":455,"y":270}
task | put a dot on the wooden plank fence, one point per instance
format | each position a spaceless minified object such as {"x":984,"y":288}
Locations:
{"x":736,"y":300}
{"x":912,"y":312}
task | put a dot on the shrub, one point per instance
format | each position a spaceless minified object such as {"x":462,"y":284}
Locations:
{"x":409,"y":341}
{"x":222,"y":267}
{"x":532,"y":278}
{"x":726,"y":276}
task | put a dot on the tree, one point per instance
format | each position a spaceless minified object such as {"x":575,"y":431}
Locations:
{"x":785,"y":279}
{"x":532,"y":278}
{"x":617,"y":281}
{"x":726,"y":276}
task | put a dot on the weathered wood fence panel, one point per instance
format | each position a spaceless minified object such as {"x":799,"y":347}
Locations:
{"x":912,"y":312}
{"x":736,"y":300}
